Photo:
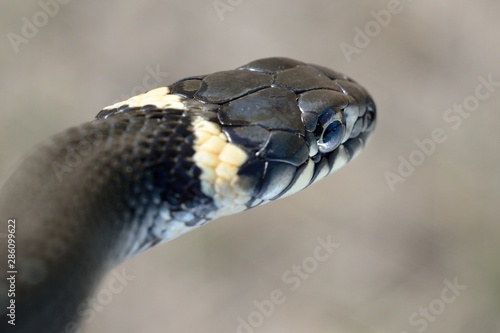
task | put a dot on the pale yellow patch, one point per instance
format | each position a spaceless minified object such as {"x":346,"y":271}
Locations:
{"x":233,"y":155}
{"x":213,"y":145}
{"x":219,"y":161}
{"x":159,"y":97}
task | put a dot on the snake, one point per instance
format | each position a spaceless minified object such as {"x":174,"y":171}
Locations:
{"x":160,"y":164}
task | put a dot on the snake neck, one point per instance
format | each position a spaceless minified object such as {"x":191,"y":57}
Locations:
{"x":91,"y":197}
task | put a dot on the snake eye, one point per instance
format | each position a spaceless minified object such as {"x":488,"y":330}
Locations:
{"x":330,"y":130}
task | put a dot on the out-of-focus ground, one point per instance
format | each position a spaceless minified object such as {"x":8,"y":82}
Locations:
{"x":402,"y":246}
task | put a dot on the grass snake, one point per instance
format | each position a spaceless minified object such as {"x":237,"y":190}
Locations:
{"x":162,"y":163}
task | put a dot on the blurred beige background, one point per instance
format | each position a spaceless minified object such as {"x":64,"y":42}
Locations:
{"x":398,"y":245}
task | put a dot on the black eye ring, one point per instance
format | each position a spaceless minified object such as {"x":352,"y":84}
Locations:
{"x":330,"y":130}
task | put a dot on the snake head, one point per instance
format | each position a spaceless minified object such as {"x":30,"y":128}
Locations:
{"x":289,"y":124}
{"x":266,"y":129}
